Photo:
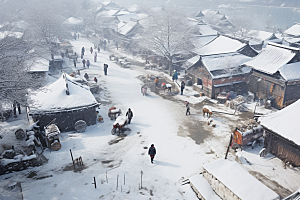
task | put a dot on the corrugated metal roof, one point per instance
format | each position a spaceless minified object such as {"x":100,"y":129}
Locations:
{"x":272,"y":58}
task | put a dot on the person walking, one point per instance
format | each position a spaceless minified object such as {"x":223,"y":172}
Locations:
{"x":187,"y":108}
{"x":98,"y":48}
{"x":88,"y":64}
{"x":15,"y":108}
{"x":74,"y":61}
{"x":95,"y":79}
{"x":152,"y":152}
{"x":182,"y":87}
{"x":175,"y":76}
{"x":19,"y":108}
{"x":86,"y":76}
{"x":83,"y":62}
{"x":105,"y":69}
{"x":82,"y":50}
{"x":156,"y":82}
{"x":91,"y":50}
{"x":95,"y":57}
{"x":129,"y":115}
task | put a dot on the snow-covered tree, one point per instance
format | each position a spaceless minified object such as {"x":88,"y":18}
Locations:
{"x":242,"y":26}
{"x":16,"y":57}
{"x":167,"y":33}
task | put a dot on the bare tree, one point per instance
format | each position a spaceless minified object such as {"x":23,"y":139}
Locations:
{"x":242,"y":25}
{"x":167,"y":33}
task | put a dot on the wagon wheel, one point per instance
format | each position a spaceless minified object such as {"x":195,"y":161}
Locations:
{"x":263,"y":152}
{"x":80,"y":126}
{"x":55,"y":146}
{"x":113,"y":131}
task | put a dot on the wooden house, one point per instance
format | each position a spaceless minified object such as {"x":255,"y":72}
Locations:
{"x":216,"y":68}
{"x":292,"y":35}
{"x":276,"y":74}
{"x":282,"y":137}
{"x":65,"y":100}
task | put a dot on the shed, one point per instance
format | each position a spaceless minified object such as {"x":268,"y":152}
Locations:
{"x":230,"y":181}
{"x":282,"y":137}
{"x":276,"y":74}
{"x":293,"y":31}
{"x":65,"y":100}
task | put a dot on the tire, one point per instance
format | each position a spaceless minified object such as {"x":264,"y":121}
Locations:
{"x":80,"y":126}
{"x":263,"y":152}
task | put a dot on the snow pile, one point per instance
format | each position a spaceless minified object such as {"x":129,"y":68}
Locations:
{"x":121,"y":120}
{"x":54,"y":97}
{"x":239,"y":181}
{"x":284,"y":122}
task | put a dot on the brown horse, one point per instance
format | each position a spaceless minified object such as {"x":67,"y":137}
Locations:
{"x":208,"y":111}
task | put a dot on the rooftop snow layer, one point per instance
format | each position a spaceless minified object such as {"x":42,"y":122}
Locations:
{"x":284,"y":122}
{"x":201,"y":41}
{"x":291,"y":71}
{"x":53,"y":97}
{"x":41,"y":65}
{"x":74,"y":21}
{"x":127,"y":17}
{"x":221,"y":45}
{"x":127,"y":27}
{"x":272,"y":58}
{"x":224,"y":61}
{"x":294,"y":30}
{"x":203,"y":187}
{"x":206,"y":30}
{"x":239,"y":181}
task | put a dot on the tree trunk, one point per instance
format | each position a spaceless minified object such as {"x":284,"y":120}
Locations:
{"x":170,"y":67}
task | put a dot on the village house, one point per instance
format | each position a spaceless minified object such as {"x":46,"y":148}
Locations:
{"x":66,"y":101}
{"x":216,"y":67}
{"x":292,"y":35}
{"x":282,"y":137}
{"x":276,"y":75}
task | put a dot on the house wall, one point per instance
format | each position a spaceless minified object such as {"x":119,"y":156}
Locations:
{"x":292,"y":93}
{"x":282,"y":148}
{"x":65,"y":120}
{"x":264,"y":86}
{"x":219,"y":187}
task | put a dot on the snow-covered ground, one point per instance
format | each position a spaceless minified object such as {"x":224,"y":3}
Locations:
{"x":156,"y":120}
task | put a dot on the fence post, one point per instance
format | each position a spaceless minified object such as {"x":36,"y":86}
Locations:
{"x":95,"y":182}
{"x":141,"y":179}
{"x":228,"y":146}
{"x":72,"y":159}
{"x":117,"y":181}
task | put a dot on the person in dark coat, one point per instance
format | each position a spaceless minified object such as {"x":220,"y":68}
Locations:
{"x":187,"y":108}
{"x":95,"y":57}
{"x":74,"y":61}
{"x":82,"y":50}
{"x":129,"y":114}
{"x":152,"y":152}
{"x":88,"y":64}
{"x":98,"y":48}
{"x":91,"y":50}
{"x":86,"y":76}
{"x":19,"y":107}
{"x":83,"y":62}
{"x":15,"y":108}
{"x":95,"y":79}
{"x":105,"y":69}
{"x":182,"y":87}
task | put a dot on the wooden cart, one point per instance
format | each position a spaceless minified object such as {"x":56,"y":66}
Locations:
{"x":113,"y":112}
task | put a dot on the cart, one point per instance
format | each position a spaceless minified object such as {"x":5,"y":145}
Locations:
{"x":119,"y":124}
{"x":113,"y":112}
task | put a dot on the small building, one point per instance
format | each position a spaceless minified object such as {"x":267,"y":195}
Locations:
{"x":259,"y":39}
{"x":230,"y":181}
{"x":200,"y":14}
{"x":65,"y":100}
{"x":130,"y":29}
{"x":293,"y":31}
{"x":282,"y":137}
{"x":276,"y":74}
{"x":39,"y":67}
{"x":74,"y":24}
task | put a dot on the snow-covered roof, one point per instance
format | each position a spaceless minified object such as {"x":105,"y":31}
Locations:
{"x":54,"y":98}
{"x":123,"y":12}
{"x":127,"y":17}
{"x":74,"y":21}
{"x":292,"y":40}
{"x":190,"y":62}
{"x":124,"y":30}
{"x":224,"y":61}
{"x":200,"y":41}
{"x":200,"y":14}
{"x":272,"y":58}
{"x":239,"y":181}
{"x":294,"y":30}
{"x":261,"y":35}
{"x":41,"y":65}
{"x":284,"y":122}
{"x":4,"y":34}
{"x":220,"y":45}
{"x":109,"y":13}
{"x":290,"y":72}
{"x":204,"y":188}
{"x":205,"y":29}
